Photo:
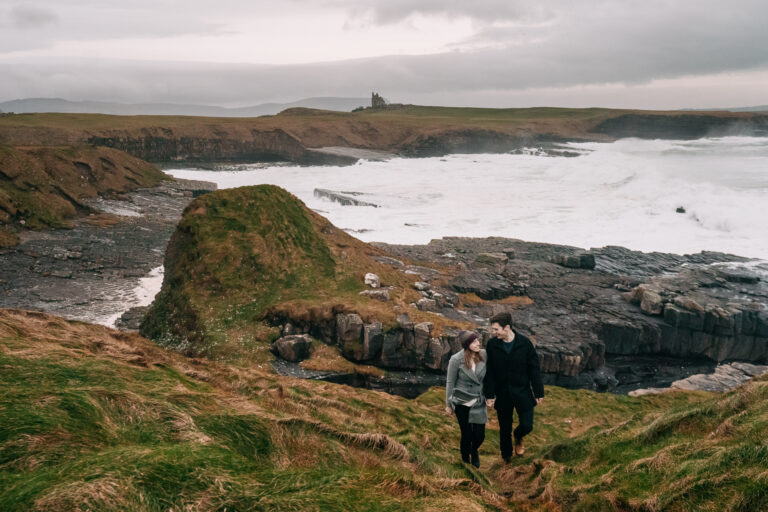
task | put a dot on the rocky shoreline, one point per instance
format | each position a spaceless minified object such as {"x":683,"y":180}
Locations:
{"x":608,"y":319}
{"x":89,"y":272}
{"x":589,"y":309}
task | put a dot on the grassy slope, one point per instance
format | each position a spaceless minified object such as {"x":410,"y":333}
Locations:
{"x":43,"y":186}
{"x":241,"y":254}
{"x":385,"y":129}
{"x":112,"y":422}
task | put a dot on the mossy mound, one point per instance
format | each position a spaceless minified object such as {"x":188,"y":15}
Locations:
{"x":242,"y":256}
{"x":43,"y":187}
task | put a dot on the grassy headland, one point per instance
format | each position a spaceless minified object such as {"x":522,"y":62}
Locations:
{"x":294,"y":135}
{"x":100,"y":420}
{"x":410,"y":130}
{"x":240,"y":257}
{"x":43,"y":187}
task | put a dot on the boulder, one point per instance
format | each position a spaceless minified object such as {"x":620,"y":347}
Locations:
{"x":425,"y":304}
{"x":421,"y":337}
{"x":578,"y":260}
{"x":422,"y":286}
{"x":688,"y":304}
{"x":433,"y":357}
{"x":651,"y":303}
{"x":293,"y":348}
{"x":349,"y":333}
{"x":486,"y":285}
{"x":373,"y":339}
{"x":491,"y":258}
{"x":509,"y":252}
{"x":382,"y":295}
{"x":372,"y":280}
{"x":389,"y":261}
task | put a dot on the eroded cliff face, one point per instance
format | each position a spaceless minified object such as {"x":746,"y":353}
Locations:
{"x":684,"y":126}
{"x":44,"y":186}
{"x":159,"y":145}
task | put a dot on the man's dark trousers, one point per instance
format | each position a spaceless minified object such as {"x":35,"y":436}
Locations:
{"x":513,"y":378}
{"x":505,"y":427}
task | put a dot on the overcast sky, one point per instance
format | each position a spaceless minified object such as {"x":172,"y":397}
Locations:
{"x":503,"y":53}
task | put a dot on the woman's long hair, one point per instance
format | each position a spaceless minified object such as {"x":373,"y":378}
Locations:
{"x":466,"y":338}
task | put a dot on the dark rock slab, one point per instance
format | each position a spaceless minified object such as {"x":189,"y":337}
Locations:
{"x":486,"y":285}
{"x":293,"y":348}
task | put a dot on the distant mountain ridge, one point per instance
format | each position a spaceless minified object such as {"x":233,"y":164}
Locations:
{"x":756,"y":108}
{"x":60,"y":105}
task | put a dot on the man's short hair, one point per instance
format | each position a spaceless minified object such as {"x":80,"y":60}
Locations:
{"x":503,"y":319}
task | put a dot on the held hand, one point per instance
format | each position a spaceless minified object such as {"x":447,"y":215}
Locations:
{"x":539,"y":400}
{"x":490,"y":401}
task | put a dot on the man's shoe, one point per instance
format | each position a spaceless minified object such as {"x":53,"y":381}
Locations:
{"x":507,"y":460}
{"x":476,"y":459}
{"x":519,"y":447}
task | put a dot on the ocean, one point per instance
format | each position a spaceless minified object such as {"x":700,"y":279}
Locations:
{"x":625,"y":193}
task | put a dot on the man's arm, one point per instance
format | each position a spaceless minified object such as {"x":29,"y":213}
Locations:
{"x":534,"y":373}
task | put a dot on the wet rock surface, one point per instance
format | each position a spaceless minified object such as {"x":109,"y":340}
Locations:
{"x":89,"y":272}
{"x":343,"y":198}
{"x":408,"y":384}
{"x":588,"y":306}
{"x":724,"y":378}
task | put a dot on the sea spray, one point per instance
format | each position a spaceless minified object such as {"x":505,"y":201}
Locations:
{"x":623,"y":193}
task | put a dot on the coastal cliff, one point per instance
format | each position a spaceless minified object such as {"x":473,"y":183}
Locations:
{"x":411,"y":130}
{"x":44,"y":186}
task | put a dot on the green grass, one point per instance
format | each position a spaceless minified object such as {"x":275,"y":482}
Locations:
{"x":86,"y":425}
{"x":86,"y":429}
{"x":710,"y":454}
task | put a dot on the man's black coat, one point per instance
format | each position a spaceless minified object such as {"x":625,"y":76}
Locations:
{"x":514,"y":379}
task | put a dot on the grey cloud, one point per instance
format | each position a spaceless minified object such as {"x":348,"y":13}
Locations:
{"x":26,"y":17}
{"x":33,"y":27}
{"x":392,"y":11}
{"x":596,"y":42}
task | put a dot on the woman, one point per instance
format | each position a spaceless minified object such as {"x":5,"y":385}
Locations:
{"x":464,"y":395}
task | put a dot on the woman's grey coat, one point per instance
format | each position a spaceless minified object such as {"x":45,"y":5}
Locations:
{"x":462,"y":384}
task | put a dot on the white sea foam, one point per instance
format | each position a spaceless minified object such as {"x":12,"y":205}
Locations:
{"x":141,"y":295}
{"x":622,"y":193}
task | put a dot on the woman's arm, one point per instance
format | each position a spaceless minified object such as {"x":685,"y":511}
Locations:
{"x":450,"y":380}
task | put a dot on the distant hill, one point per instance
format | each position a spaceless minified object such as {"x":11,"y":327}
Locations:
{"x":30,"y":105}
{"x":758,"y":108}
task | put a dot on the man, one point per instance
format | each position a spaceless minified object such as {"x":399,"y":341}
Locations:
{"x":512,"y":382}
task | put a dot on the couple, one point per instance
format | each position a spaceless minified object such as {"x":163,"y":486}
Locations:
{"x":505,"y":376}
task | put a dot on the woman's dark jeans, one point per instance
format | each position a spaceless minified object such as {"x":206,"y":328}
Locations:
{"x":472,"y":434}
